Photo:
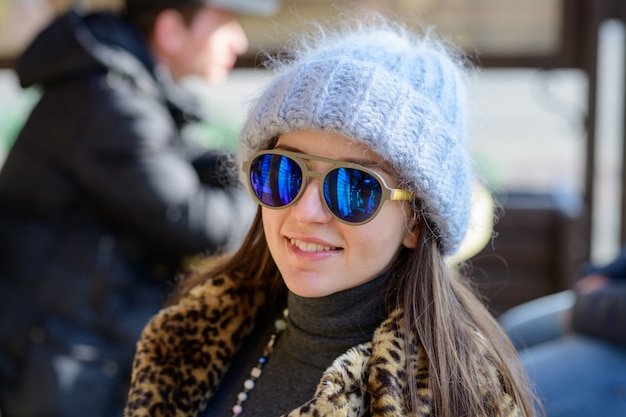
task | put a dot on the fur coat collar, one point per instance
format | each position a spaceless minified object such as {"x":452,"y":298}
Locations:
{"x":185,"y":350}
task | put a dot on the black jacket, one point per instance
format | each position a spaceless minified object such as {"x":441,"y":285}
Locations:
{"x":100,"y":197}
{"x":602,"y":313}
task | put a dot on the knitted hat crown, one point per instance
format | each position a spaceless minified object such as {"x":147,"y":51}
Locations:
{"x":398,"y":94}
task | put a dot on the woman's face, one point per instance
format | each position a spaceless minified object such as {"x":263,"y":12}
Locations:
{"x":318,"y":255}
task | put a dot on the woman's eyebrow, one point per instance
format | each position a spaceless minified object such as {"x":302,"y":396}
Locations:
{"x":368,"y":163}
{"x":287,"y":148}
{"x":364,"y":162}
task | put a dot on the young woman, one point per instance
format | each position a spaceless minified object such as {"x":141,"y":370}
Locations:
{"x":340,"y":302}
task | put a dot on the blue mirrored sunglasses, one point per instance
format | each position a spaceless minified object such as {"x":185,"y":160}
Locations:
{"x":353,"y":194}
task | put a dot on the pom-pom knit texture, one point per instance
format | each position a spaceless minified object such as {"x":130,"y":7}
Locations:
{"x":401,"y":95}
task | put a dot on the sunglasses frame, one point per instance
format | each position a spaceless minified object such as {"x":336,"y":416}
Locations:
{"x":388,"y":193}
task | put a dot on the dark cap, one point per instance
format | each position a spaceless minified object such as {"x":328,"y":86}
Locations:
{"x":244,"y":7}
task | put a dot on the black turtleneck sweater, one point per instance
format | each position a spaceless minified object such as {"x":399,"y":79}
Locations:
{"x":318,"y":331}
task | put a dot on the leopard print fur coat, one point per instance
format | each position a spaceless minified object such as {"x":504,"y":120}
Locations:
{"x":185,"y":349}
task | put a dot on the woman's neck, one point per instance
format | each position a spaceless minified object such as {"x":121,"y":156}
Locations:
{"x":324,"y":327}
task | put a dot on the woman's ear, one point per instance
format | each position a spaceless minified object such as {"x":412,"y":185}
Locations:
{"x":169,"y":33}
{"x":411,"y":235}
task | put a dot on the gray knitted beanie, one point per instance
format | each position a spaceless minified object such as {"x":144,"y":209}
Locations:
{"x":399,"y":94}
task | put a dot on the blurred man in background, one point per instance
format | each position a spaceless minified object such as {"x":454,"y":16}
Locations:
{"x":101,"y":199}
{"x":573,"y":343}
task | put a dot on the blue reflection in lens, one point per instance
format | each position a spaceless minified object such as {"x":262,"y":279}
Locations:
{"x":275,"y":179}
{"x":351,"y":194}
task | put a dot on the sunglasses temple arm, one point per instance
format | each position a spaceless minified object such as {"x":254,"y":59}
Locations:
{"x":397,"y":194}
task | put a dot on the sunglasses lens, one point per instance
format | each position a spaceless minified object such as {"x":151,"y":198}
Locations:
{"x":275,"y":179}
{"x":351,"y":194}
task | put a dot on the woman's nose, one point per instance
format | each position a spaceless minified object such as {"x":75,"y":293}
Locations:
{"x":310,"y":208}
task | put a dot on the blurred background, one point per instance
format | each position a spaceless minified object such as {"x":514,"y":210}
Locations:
{"x":547,"y":128}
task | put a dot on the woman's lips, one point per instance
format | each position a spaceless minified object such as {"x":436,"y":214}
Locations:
{"x":311,"y":246}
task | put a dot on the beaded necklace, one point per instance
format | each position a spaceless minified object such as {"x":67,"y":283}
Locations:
{"x":248,"y":385}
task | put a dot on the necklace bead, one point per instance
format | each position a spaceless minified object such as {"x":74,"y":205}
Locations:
{"x":255,"y":373}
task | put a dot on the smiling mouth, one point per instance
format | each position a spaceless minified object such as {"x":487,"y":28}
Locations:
{"x":310,"y":247}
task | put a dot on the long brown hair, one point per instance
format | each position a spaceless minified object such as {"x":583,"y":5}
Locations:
{"x":252,"y":261}
{"x":460,"y":337}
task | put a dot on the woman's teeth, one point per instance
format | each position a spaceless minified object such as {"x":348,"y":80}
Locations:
{"x":309,"y":247}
